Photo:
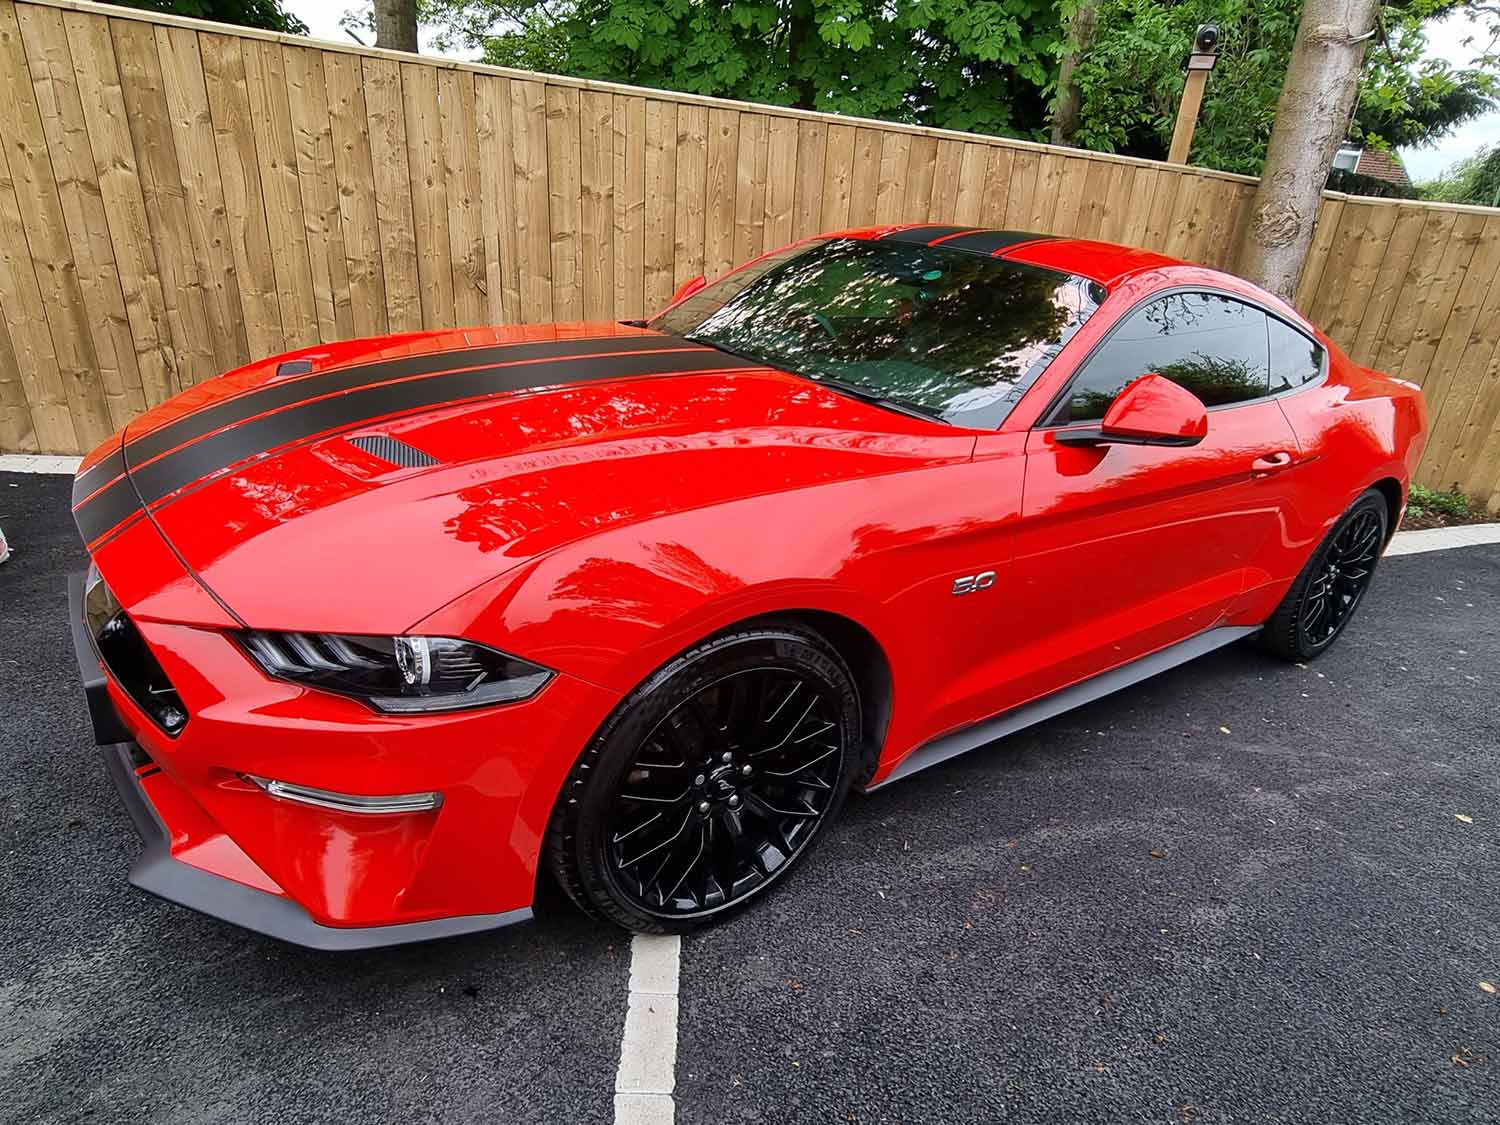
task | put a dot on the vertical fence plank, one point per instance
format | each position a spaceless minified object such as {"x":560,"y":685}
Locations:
{"x":429,"y":192}
{"x":244,"y":207}
{"x":718,"y":207}
{"x":781,"y":181}
{"x":466,"y":241}
{"x":673,"y":249}
{"x":100,"y":305}
{"x":120,"y":186}
{"x":864,"y":177}
{"x":354,"y":177}
{"x":628,"y":141}
{"x":890,"y":193}
{"x":564,"y":208}
{"x":812,"y":155}
{"x":692,"y":180}
{"x":750,"y":187}
{"x":838,"y":165}
{"x":528,"y":121}
{"x":31,"y":347}
{"x":198,"y":167}
{"x":497,"y":187}
{"x":317,"y":179}
{"x":385,"y":123}
{"x":184,"y":294}
{"x":597,"y":187}
{"x":971,"y":173}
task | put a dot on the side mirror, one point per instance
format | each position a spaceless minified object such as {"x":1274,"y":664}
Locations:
{"x":687,"y":289}
{"x":1151,"y":411}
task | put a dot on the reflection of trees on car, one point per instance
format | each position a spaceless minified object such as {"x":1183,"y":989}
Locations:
{"x":948,"y":331}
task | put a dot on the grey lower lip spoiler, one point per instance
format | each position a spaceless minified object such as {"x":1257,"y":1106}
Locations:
{"x":157,"y":872}
{"x":971,"y":738}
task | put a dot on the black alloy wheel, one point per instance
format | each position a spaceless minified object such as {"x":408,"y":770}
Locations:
{"x":709,"y":782}
{"x":1326,"y":593}
{"x":1343,"y":578}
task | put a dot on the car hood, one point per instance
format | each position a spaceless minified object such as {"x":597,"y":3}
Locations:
{"x":360,"y":488}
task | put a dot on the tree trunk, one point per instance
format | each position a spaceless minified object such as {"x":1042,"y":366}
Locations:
{"x":396,"y":25}
{"x":1311,"y":118}
{"x":1069,"y":96}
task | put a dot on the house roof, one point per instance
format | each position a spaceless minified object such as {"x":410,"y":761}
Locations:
{"x":1382,"y":165}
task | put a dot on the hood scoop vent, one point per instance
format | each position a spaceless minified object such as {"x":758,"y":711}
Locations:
{"x":394,"y":450}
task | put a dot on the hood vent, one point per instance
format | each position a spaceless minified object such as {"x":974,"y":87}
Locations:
{"x":395,"y":451}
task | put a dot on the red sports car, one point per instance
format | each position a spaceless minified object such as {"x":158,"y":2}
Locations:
{"x":378,"y":633}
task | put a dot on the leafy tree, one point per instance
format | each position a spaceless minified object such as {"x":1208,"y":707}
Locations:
{"x":989,"y":66}
{"x":264,"y":14}
{"x":1132,"y":79}
{"x":1475,"y":180}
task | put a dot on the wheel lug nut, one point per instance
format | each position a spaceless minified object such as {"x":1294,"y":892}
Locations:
{"x":734,"y":802}
{"x":728,"y":757}
{"x":746,"y":770}
{"x":699,"y":780}
{"x":702,"y":806}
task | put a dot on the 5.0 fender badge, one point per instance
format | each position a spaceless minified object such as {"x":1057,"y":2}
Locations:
{"x":970,"y":583}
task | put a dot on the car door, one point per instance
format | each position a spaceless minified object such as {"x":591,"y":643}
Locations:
{"x":1125,"y":549}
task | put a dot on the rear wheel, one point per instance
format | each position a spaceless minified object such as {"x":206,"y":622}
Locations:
{"x":1325,"y":595}
{"x":710,"y":782}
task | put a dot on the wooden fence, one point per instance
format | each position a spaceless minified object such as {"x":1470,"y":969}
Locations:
{"x":177,"y":198}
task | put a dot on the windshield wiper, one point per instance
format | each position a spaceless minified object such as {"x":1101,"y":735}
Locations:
{"x":853,"y":390}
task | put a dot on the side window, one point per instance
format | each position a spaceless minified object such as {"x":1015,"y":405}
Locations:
{"x":1212,"y":345}
{"x":1295,"y":359}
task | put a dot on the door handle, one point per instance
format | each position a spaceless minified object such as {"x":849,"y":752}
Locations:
{"x":1272,"y":463}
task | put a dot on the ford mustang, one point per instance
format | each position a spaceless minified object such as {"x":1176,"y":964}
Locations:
{"x":378,"y":634}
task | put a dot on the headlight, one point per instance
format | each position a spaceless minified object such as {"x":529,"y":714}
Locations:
{"x":399,"y":674}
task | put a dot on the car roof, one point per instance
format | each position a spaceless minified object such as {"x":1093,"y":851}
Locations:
{"x":1108,"y":263}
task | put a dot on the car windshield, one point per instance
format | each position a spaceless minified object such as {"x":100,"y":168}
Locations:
{"x":948,"y":333}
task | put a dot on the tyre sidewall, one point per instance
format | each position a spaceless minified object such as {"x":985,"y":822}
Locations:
{"x":604,"y":764}
{"x":1289,"y":620}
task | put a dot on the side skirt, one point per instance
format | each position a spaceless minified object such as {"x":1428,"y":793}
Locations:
{"x":986,"y":731}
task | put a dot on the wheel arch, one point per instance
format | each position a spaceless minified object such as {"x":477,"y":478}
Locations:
{"x":1395,"y":499}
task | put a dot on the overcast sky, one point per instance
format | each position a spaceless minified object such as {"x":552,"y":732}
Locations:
{"x":1445,"y":41}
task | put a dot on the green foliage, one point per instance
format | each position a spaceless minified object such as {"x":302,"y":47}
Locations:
{"x":264,"y":14}
{"x":1474,"y":180}
{"x":1132,"y":79}
{"x":988,"y":66}
{"x":1353,"y":183}
{"x":1430,"y":501}
{"x":984,"y":66}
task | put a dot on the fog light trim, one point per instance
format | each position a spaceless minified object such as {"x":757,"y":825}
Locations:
{"x":347,"y":802}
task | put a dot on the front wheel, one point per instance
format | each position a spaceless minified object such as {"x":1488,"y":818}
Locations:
{"x":1330,"y":587}
{"x":709,"y":782}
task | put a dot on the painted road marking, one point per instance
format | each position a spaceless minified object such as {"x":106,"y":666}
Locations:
{"x":648,"y":1049}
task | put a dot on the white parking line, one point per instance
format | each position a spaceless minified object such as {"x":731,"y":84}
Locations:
{"x":648,"y":1049}
{"x":35,"y":463}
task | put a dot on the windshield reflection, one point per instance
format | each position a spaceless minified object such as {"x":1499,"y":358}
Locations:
{"x":955,"y":335}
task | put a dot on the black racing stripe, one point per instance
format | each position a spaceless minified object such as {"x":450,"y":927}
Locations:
{"x":97,"y":475}
{"x":356,"y":407}
{"x":994,"y":241}
{"x":923,"y":235}
{"x":110,"y":508}
{"x":275,"y":395}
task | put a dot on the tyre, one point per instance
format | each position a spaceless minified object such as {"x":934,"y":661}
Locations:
{"x":1325,"y":595}
{"x":709,"y":782}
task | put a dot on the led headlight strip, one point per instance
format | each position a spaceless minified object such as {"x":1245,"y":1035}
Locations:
{"x":398,"y":674}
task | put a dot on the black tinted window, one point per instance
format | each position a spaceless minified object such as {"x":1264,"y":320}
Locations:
{"x":950,"y":333}
{"x":1213,"y":346}
{"x":1295,"y":359}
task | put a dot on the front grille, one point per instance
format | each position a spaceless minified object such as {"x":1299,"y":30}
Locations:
{"x":129,"y":659}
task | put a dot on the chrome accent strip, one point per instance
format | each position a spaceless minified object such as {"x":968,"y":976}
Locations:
{"x":985,"y":731}
{"x":347,"y":802}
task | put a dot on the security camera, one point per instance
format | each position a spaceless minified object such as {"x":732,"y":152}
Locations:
{"x":1206,"y":42}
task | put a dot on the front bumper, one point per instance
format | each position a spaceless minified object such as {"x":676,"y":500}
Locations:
{"x":316,"y":877}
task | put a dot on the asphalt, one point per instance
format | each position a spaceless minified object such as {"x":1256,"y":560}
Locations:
{"x":1242,"y":891}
